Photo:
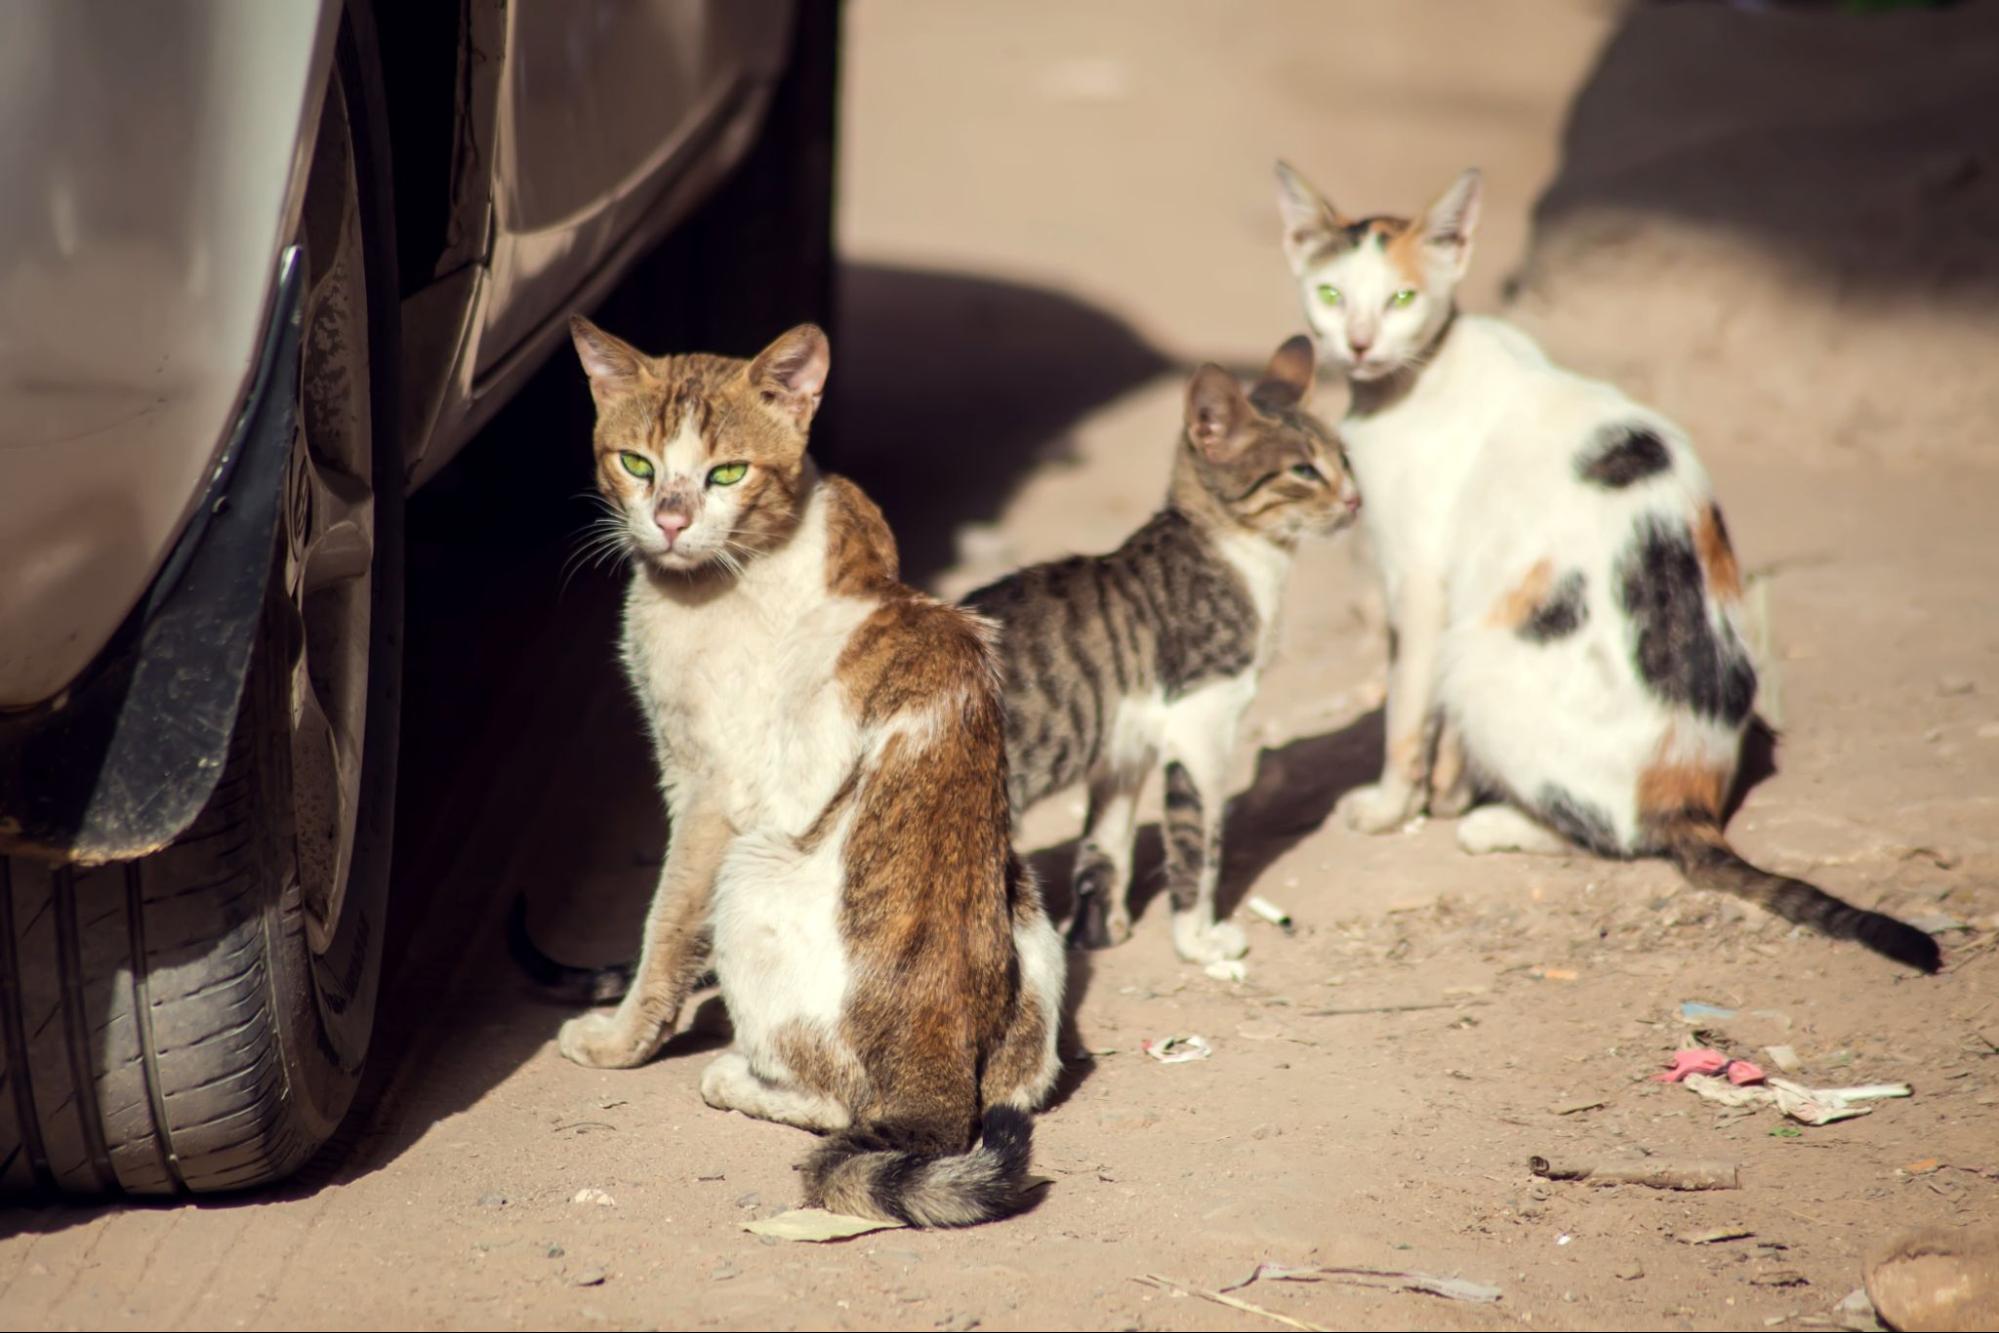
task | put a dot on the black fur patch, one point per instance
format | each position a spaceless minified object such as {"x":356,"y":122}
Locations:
{"x":578,"y":985}
{"x":1676,"y":648}
{"x":1618,"y":456}
{"x":891,"y":1184}
{"x":1577,"y":820}
{"x":1562,"y":613}
{"x":1007,"y":1132}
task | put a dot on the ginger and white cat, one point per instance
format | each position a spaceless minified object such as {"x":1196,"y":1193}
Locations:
{"x":831,"y":751}
{"x":1563,"y":599}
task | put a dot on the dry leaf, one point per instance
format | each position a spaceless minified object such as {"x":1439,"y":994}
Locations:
{"x":817,"y":1225}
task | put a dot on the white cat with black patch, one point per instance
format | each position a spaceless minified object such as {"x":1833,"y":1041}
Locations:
{"x":1563,"y":600}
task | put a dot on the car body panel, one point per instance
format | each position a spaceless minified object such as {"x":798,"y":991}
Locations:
{"x":147,"y":199}
{"x":614,"y":120}
{"x":154,"y":157}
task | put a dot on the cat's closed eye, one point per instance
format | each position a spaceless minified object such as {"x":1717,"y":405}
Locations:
{"x":1306,"y":472}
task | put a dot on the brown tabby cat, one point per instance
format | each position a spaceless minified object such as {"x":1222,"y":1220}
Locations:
{"x":830,"y":747}
{"x":1114,"y":661}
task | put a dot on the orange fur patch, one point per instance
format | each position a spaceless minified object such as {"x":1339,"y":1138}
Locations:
{"x":1405,"y":754}
{"x":1668,"y":787}
{"x":860,"y":549}
{"x":1405,"y":252}
{"x":1523,"y":599}
{"x":1724,"y":578}
{"x":1448,"y":768}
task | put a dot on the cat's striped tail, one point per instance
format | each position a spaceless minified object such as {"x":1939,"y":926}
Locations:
{"x":867,"y":1173}
{"x":1694,"y":840}
{"x":563,"y":981}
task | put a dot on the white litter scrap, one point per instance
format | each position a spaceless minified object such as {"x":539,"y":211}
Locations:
{"x":1811,"y":1106}
{"x":1268,"y":910}
{"x":1177,"y":1050}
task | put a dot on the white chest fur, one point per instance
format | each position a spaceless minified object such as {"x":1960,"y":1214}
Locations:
{"x":1414,"y":459}
{"x":738,"y":681}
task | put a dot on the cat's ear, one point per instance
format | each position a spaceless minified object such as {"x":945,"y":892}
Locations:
{"x":789,"y":376}
{"x":1448,"y":226}
{"x":1287,"y":380}
{"x":614,"y":366}
{"x":1216,"y":411}
{"x":1309,"y":221}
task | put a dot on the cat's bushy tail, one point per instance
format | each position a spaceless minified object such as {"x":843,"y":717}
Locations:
{"x":866,"y":1173}
{"x":1695,"y":842}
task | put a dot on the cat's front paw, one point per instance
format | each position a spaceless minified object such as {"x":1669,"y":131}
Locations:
{"x":1204,"y":942}
{"x":1375,"y":808}
{"x":600,"y":1041}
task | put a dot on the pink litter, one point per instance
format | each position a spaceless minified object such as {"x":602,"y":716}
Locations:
{"x":1709,"y":1061}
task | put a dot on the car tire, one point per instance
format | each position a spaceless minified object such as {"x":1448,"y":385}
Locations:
{"x":189,"y":1022}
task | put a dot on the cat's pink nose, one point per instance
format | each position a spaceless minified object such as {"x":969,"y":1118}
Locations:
{"x":1359,"y":345}
{"x":671,"y":524}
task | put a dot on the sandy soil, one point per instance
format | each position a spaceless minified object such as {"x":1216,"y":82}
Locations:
{"x":1051,"y":211}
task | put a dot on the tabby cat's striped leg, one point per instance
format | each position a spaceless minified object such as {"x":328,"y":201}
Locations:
{"x":1200,"y":735}
{"x":1103,"y":862}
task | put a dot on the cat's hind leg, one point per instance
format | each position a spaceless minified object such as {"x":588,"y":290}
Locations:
{"x":1102,"y":879}
{"x":1200,"y":733}
{"x":1504,"y":828}
{"x":729,"y":1084}
{"x":1451,"y":787}
{"x":1022,"y":1070}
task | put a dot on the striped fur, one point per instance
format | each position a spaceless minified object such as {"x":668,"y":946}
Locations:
{"x":1116,"y":662}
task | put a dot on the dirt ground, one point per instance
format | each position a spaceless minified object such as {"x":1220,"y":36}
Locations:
{"x":1050,"y":213}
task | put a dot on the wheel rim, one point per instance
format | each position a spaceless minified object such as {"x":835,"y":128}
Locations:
{"x":329,"y":531}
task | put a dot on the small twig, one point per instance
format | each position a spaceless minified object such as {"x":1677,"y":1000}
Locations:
{"x":584,"y":1124}
{"x":1390,"y":1008}
{"x":1156,"y":1280}
{"x":1657,"y":1175}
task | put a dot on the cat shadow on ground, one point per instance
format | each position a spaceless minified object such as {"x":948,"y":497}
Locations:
{"x":1291,"y":794}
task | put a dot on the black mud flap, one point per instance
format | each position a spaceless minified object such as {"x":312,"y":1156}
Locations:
{"x":119,"y":763}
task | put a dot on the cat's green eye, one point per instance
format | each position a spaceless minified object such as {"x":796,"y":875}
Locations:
{"x":1329,"y":293}
{"x":1305,"y":472}
{"x":1407,"y":296}
{"x":728,"y":474}
{"x":637,"y":464}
